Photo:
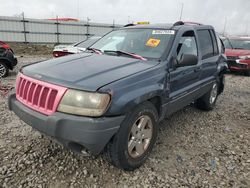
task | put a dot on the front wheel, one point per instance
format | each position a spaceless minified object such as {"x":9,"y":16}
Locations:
{"x":135,"y":139}
{"x":207,"y":101}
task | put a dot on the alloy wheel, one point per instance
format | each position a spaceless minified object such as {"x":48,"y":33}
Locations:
{"x":140,"y":136}
{"x":213,"y":94}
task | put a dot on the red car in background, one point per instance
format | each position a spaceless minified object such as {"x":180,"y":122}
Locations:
{"x":238,"y":53}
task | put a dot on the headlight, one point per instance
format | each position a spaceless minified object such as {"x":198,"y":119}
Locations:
{"x":245,"y":57}
{"x":84,"y":103}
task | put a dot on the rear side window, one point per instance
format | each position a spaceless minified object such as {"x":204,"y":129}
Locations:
{"x":206,"y":43}
{"x":216,"y":51}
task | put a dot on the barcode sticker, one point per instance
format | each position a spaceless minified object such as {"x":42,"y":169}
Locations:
{"x":163,"y":32}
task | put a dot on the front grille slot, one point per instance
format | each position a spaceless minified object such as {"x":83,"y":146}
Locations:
{"x":38,"y":95}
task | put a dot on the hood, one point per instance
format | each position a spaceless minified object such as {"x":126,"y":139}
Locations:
{"x":86,"y":71}
{"x":236,"y":52}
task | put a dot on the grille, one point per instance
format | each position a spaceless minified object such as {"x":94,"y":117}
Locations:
{"x":232,"y":57}
{"x":38,"y":95}
{"x":235,"y":64}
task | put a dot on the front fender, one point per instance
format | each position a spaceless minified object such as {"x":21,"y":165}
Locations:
{"x":127,"y":102}
{"x":131,"y":91}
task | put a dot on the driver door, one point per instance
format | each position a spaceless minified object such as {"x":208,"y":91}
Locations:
{"x":184,"y":80}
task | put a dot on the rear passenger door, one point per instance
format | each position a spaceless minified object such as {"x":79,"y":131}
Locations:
{"x":209,"y":54}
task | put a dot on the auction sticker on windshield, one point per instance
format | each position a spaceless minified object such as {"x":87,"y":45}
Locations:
{"x":163,"y":32}
{"x":153,"y":42}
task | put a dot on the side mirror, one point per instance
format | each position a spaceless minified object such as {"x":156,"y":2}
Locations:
{"x":187,"y":60}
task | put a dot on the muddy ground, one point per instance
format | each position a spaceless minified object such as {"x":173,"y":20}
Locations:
{"x":194,"y":149}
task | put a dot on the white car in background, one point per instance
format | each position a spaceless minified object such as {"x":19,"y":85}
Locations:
{"x":63,"y":50}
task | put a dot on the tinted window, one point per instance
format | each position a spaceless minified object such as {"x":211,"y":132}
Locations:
{"x":240,"y":43}
{"x":187,"y":45}
{"x":215,"y":46}
{"x":206,"y":44}
{"x":227,"y":44}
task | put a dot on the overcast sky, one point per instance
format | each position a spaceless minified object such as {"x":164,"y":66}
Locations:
{"x":213,"y":12}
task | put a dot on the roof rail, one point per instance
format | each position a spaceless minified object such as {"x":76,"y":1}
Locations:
{"x":186,"y":23}
{"x":128,"y":25}
{"x":178,"y":23}
{"x":193,"y":23}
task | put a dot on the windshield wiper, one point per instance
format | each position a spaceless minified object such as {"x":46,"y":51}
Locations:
{"x":118,"y":52}
{"x":97,"y":51}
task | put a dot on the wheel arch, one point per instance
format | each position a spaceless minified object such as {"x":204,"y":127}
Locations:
{"x":130,"y":102}
{"x":7,"y":63}
{"x":221,"y":80}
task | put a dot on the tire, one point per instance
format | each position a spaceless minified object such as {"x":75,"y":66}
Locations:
{"x":207,"y":101}
{"x":118,"y":151}
{"x":4,"y":71}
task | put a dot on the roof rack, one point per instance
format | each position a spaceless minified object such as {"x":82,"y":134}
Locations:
{"x":186,"y":23}
{"x":128,"y":25}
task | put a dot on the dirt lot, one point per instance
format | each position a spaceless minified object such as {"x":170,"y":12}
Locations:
{"x":22,"y":49}
{"x":194,"y":149}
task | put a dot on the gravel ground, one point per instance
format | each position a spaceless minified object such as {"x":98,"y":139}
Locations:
{"x":194,"y":149}
{"x":25,"y":49}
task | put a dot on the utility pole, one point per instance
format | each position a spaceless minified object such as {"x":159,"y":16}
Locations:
{"x":247,"y":29}
{"x":24,"y":28}
{"x":88,"y":20}
{"x":113,"y":24}
{"x":78,"y":17}
{"x":77,"y":8}
{"x":128,"y":19}
{"x":57,"y":31}
{"x":225,"y":25}
{"x":182,"y":6}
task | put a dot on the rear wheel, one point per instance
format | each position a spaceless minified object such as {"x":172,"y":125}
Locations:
{"x":4,"y":71}
{"x":207,"y":101}
{"x":135,"y":139}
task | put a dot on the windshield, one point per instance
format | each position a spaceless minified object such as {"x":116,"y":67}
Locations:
{"x":148,"y":43}
{"x":243,"y":44}
{"x":87,"y":43}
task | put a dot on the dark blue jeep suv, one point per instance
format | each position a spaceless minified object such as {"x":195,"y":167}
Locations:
{"x":111,"y":98}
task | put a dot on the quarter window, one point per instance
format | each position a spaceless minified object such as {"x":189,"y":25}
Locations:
{"x":214,"y":43}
